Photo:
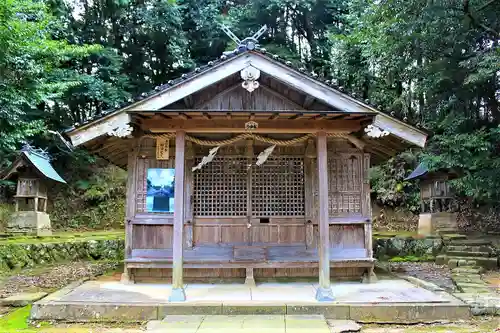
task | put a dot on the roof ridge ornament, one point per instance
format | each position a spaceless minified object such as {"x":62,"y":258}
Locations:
{"x":249,"y":43}
{"x":43,"y":153}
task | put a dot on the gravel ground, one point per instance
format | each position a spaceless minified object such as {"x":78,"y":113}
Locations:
{"x":50,"y":278}
{"x":427,"y":271}
{"x":493,"y":280}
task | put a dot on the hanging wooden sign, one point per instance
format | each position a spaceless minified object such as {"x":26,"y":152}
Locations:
{"x":162,"y":149}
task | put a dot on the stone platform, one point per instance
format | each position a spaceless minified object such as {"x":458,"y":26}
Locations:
{"x":387,"y":301}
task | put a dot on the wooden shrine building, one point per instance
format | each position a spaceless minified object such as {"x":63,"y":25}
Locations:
{"x":247,"y":167}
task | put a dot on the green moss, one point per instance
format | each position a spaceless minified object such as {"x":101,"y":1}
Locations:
{"x":16,"y":256}
{"x":389,"y":234}
{"x":412,"y":259}
{"x":65,"y":236}
{"x":17,"y":321}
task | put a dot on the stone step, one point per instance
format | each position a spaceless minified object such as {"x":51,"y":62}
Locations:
{"x":447,"y":231}
{"x":488,"y":263}
{"x":474,"y":248}
{"x":471,"y":242}
{"x":468,"y":254}
{"x":467,"y":270}
{"x":452,"y":238}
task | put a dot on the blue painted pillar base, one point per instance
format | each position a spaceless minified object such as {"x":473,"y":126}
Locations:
{"x":177,"y":295}
{"x":324,"y":295}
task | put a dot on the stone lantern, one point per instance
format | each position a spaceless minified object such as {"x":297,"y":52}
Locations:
{"x":33,"y":172}
{"x":436,"y":200}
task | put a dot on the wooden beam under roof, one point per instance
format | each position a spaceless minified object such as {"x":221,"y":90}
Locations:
{"x":189,"y":102}
{"x":183,"y":116}
{"x":338,"y":117}
{"x":274,"y":116}
{"x":296,"y":116}
{"x":206,"y":115}
{"x":238,"y":126}
{"x":308,"y":101}
{"x":318,"y":116}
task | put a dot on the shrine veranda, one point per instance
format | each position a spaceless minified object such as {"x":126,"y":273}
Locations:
{"x":247,"y":168}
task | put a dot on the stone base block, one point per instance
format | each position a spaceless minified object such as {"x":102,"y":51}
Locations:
{"x":30,"y":223}
{"x":430,"y":223}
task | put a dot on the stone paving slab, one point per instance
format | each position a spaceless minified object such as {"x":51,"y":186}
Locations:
{"x":342,"y":326}
{"x":22,"y":299}
{"x":240,"y":324}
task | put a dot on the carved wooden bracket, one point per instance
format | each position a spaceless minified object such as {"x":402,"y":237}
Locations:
{"x":250,"y":75}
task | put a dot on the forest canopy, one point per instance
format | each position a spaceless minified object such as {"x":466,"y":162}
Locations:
{"x":434,"y":64}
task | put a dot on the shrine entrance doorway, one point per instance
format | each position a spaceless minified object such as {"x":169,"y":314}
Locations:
{"x":237,"y":202}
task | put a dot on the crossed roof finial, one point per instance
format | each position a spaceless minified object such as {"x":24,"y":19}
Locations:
{"x":249,"y":43}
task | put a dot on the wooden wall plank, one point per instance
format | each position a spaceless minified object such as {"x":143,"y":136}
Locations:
{"x":350,"y":236}
{"x":152,"y":236}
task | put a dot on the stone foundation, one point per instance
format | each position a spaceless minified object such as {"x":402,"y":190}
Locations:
{"x":385,"y":248}
{"x":30,"y":223}
{"x":430,"y":223}
{"x":18,"y":255}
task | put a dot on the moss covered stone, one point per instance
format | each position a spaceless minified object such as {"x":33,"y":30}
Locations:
{"x":390,"y":247}
{"x":17,"y":255}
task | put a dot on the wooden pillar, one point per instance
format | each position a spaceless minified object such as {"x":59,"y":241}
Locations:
{"x":127,"y":276}
{"x":188,"y":196}
{"x":178,"y":294}
{"x":324,"y":293}
{"x":249,"y":279}
{"x":309,"y":174}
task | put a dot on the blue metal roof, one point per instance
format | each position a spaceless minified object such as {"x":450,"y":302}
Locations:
{"x":42,"y":163}
{"x":419,"y":171}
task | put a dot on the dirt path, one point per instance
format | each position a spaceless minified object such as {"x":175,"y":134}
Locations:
{"x":427,"y":271}
{"x":52,"y":277}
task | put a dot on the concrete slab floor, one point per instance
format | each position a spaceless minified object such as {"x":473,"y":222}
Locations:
{"x":384,"y":291}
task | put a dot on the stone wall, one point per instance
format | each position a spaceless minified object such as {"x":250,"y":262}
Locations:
{"x":21,"y":255}
{"x":385,"y":248}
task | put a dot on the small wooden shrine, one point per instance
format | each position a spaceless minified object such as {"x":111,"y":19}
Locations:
{"x":32,"y":171}
{"x":436,"y":199}
{"x":247,"y":168}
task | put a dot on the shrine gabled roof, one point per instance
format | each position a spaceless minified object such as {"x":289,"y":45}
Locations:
{"x":420,"y":170}
{"x":323,"y":90}
{"x":39,"y":161}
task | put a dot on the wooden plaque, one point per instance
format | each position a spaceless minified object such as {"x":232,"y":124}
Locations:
{"x":162,"y":149}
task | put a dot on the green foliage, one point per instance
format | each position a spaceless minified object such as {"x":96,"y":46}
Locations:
{"x":100,"y":201}
{"x":388,"y":184}
{"x":475,"y":155}
{"x":6,"y":211}
{"x":32,"y":72}
{"x":433,"y":63}
{"x":398,"y":55}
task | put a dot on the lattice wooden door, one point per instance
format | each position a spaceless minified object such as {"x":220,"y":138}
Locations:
{"x":220,"y":187}
{"x":278,"y":187}
{"x":345,"y":184}
{"x":226,"y":186}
